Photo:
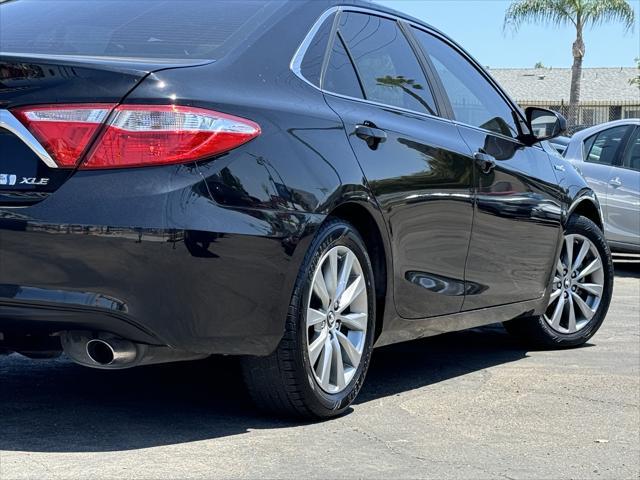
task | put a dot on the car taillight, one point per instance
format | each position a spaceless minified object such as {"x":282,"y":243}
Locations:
{"x":64,"y":130}
{"x":135,"y":135}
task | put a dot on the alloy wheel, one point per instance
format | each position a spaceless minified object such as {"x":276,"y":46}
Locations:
{"x":336,"y":319}
{"x":577,"y":286}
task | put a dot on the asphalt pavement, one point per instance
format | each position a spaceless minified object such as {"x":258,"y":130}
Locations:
{"x":471,"y":404}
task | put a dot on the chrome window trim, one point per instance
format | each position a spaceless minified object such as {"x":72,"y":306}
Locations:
{"x":296,"y":63}
{"x":9,"y":122}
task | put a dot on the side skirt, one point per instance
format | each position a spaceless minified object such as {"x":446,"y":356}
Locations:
{"x":402,"y":330}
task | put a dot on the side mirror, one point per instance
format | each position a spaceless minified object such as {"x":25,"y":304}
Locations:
{"x":543,"y":124}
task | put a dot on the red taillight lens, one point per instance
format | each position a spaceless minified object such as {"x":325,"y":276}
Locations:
{"x":136,"y":135}
{"x":64,"y":130}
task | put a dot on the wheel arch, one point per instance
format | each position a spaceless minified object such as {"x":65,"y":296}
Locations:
{"x":587,"y":205}
{"x":375,"y":238}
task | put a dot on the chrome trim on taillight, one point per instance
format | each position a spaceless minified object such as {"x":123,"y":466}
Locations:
{"x":13,"y":125}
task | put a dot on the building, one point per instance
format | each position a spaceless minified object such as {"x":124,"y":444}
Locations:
{"x":605,"y":94}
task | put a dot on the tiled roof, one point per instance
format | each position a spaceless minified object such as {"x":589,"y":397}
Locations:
{"x":608,"y":85}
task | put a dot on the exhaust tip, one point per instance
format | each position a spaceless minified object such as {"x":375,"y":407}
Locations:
{"x":100,"y":352}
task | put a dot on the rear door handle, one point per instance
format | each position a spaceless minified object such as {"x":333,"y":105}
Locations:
{"x":485,"y":161}
{"x":371,"y":134}
{"x":615,"y":182}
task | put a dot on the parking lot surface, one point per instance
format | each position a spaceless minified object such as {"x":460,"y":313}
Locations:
{"x":471,"y":404}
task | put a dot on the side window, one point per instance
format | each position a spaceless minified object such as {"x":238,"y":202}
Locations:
{"x":340,"y":76}
{"x":384,"y":60}
{"x":605,"y":145}
{"x":311,"y":64}
{"x":473,"y":99}
{"x":631,"y":157}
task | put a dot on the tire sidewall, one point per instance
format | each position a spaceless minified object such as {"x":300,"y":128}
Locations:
{"x":333,"y":234}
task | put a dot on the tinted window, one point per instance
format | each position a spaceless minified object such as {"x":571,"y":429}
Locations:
{"x":631,"y":157}
{"x":387,"y":66}
{"x":171,"y":29}
{"x":473,"y":99}
{"x":340,"y":76}
{"x":311,"y":65}
{"x":605,"y":145}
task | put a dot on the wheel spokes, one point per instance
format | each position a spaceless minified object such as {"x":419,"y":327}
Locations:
{"x":337,"y":319}
{"x":338,"y":365}
{"x":584,"y":249}
{"x":320,"y":289}
{"x":594,"y":266}
{"x":345,"y":273}
{"x":557,"y":313}
{"x":349,"y":349}
{"x":355,"y":321}
{"x":592,"y":288}
{"x":315,"y":317}
{"x":582,"y":305}
{"x":577,"y":287}
{"x":571,"y":327}
{"x":324,"y":366}
{"x":317,"y":347}
{"x":568,"y":245}
{"x":351,"y":293}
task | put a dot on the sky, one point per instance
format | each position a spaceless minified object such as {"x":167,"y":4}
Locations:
{"x":477,"y":26}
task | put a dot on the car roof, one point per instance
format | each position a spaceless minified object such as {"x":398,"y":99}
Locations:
{"x":587,"y":132}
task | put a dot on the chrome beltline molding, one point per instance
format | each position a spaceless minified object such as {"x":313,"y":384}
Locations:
{"x":9,"y":122}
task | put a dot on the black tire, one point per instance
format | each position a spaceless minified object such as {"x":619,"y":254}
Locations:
{"x":283,"y":382}
{"x":536,"y":332}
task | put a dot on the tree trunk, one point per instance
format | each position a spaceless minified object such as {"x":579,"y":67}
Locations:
{"x":576,"y":77}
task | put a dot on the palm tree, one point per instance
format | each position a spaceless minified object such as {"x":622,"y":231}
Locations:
{"x":580,"y":14}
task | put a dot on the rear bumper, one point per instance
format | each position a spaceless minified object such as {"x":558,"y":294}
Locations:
{"x":189,"y":274}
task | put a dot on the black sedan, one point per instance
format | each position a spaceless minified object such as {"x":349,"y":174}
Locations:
{"x":292,"y":182}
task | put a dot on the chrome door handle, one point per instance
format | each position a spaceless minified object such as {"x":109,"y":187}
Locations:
{"x":615,"y":182}
{"x":485,"y":161}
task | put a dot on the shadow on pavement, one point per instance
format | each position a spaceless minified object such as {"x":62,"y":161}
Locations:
{"x":627,"y":269}
{"x":57,"y":406}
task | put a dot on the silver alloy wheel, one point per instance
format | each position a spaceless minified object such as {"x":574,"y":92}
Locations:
{"x":577,"y":287}
{"x":337,"y":317}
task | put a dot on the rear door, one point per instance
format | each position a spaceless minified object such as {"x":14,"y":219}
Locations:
{"x":600,"y":153}
{"x":623,"y":194}
{"x":517,"y":222}
{"x":414,"y":160}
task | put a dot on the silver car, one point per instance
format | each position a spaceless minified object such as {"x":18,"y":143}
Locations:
{"x":608,"y":156}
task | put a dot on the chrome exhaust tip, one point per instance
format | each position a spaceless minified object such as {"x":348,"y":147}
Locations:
{"x":107,"y":351}
{"x":111,"y":352}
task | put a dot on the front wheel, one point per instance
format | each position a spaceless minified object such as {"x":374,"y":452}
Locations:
{"x":321,"y":362}
{"x":580,"y":291}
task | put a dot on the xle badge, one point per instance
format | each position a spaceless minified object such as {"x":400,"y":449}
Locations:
{"x":34,"y":181}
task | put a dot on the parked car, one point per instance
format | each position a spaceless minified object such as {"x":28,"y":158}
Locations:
{"x":560,"y":143}
{"x":288,"y":182}
{"x":608,"y":156}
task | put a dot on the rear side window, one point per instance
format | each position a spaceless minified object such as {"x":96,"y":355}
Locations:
{"x":473,"y":99}
{"x":169,"y":29}
{"x":388,"y":68}
{"x":603,"y":147}
{"x":311,"y":65}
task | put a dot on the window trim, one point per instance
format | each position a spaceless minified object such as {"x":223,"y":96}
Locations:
{"x":442,"y":100}
{"x":296,"y":61}
{"x":416,"y":53}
